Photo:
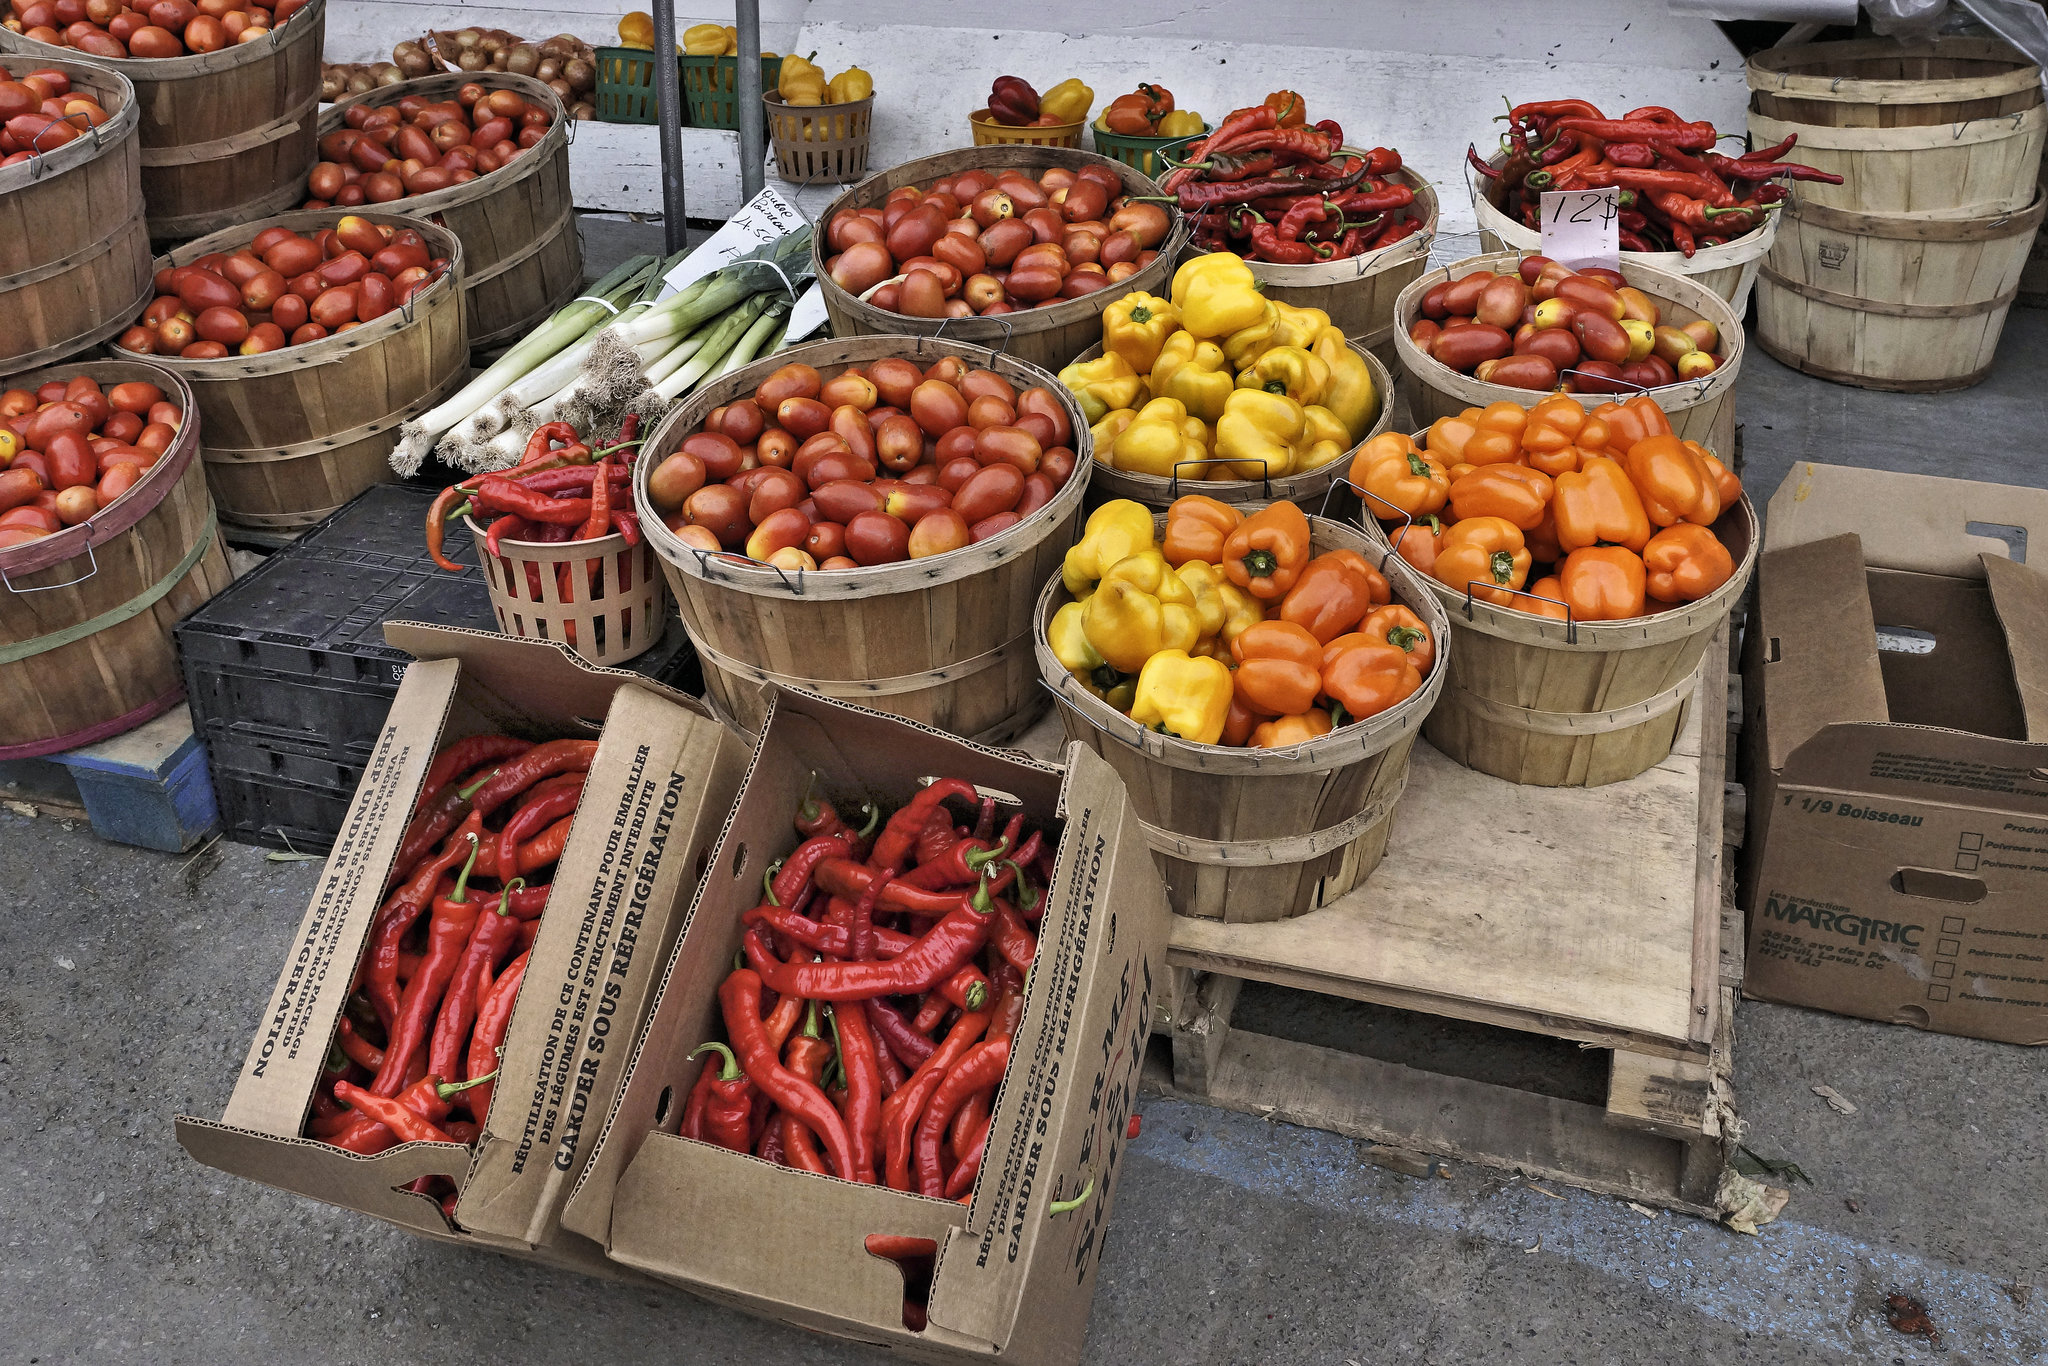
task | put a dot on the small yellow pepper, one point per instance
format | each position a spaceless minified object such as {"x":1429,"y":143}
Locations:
{"x":1253,"y":340}
{"x":1182,"y":695}
{"x":1181,"y":123}
{"x":850,"y":86}
{"x":1326,"y":438}
{"x":1194,"y":372}
{"x":1136,"y":326}
{"x":1069,"y":641}
{"x":1105,"y":432}
{"x":1118,"y":529}
{"x":1288,"y":370}
{"x":1141,"y":608}
{"x":1299,"y":326}
{"x":1206,"y":582}
{"x":1217,"y":295}
{"x":1069,"y":101}
{"x":637,"y":30}
{"x":1157,"y":441}
{"x":1351,"y":394}
{"x":699,"y":40}
{"x":1102,"y":386}
{"x":1263,"y":433}
{"x":801,"y":82}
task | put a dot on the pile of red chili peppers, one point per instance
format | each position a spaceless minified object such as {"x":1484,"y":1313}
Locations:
{"x":561,"y":490}
{"x":1270,"y":187}
{"x":879,"y":984}
{"x":1677,"y":192}
{"x":447,"y":951}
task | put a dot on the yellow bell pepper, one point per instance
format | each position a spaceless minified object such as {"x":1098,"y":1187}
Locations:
{"x":1217,"y":295}
{"x":1104,"y":433}
{"x":1327,"y":438}
{"x":1207,"y":583}
{"x":1117,"y":530}
{"x":1069,"y":641}
{"x":1351,"y":395}
{"x":1265,"y":434}
{"x":1141,"y":608}
{"x":1199,"y":432}
{"x":1156,"y":441}
{"x":1241,"y":612}
{"x":1288,"y":370}
{"x":1069,"y":101}
{"x":1299,"y":326}
{"x":1179,"y":694}
{"x":1102,"y":386}
{"x":637,"y":30}
{"x":801,"y":82}
{"x":850,"y":86}
{"x":1136,"y":326}
{"x":1194,"y":372}
{"x":1248,"y":343}
{"x":699,"y":40}
{"x":1181,"y":123}
{"x":732,"y":41}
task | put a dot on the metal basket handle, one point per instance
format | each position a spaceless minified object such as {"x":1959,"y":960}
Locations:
{"x":1571,"y":627}
{"x":704,"y":558}
{"x":1265,"y":473}
{"x":993,"y":351}
{"x":92,"y":556}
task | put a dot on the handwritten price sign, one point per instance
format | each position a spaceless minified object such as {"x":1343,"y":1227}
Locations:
{"x":1583,"y":227}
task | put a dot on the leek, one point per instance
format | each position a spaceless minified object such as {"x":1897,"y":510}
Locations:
{"x":717,"y":346}
{"x":756,"y":337}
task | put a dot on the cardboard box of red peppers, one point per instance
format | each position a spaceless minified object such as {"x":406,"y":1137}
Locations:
{"x":893,"y":1013}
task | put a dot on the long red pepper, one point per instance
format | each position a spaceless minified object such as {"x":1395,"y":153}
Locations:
{"x":447,"y":936}
{"x":1012,"y":937}
{"x":905,"y":1044}
{"x":794,"y":878}
{"x":863,"y":1085}
{"x":489,"y":937}
{"x":465,"y":754}
{"x":549,"y":801}
{"x":400,"y":913}
{"x":358,"y":1049}
{"x":900,"y":1112}
{"x":860,"y":931}
{"x":739,"y":996}
{"x":542,"y":761}
{"x":729,"y":1106}
{"x":699,"y":1103}
{"x":899,"y":837}
{"x":430,"y":825}
{"x":961,"y":1179}
{"x":942,"y":951}
{"x":959,"y":866}
{"x":982,"y":1066}
{"x":493,"y":1016}
{"x":844,"y":877}
{"x":805,"y":1058}
{"x":938,"y":835}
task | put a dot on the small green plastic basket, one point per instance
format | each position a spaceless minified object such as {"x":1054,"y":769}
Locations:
{"x":711,"y":89}
{"x":1142,"y":154}
{"x":625,"y":85}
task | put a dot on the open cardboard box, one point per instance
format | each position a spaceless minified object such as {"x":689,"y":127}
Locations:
{"x":662,"y":782}
{"x":1895,"y":681}
{"x":1016,"y":1266}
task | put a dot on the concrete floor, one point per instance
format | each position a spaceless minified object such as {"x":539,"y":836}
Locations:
{"x":130,"y":983}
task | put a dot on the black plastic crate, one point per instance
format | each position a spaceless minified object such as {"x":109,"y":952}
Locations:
{"x":288,"y":675}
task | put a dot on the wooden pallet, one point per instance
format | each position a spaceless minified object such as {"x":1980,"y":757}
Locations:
{"x":1595,"y":916}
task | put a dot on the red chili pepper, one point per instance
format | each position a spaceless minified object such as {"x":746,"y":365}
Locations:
{"x":548,"y":802}
{"x":1689,"y":135}
{"x":600,"y":523}
{"x":1310,"y":209}
{"x":493,"y":1016}
{"x":437,"y":526}
{"x":447,"y":936}
{"x":740,"y":998}
{"x":1773,"y":152}
{"x":358,"y":1049}
{"x":497,"y":494}
{"x":408,"y":1125}
{"x":729,"y":1108}
{"x":464,"y":756}
{"x":806,"y":1058}
{"x":902,"y":1111}
{"x":982,"y":1066}
{"x":942,"y":951}
{"x":400,"y":913}
{"x":699,"y":1103}
{"x":961,"y":1179}
{"x":1012,"y":938}
{"x":489,"y":939}
{"x":1361,"y":202}
{"x":1241,"y":124}
{"x":863,"y":1108}
{"x":426,"y":829}
{"x":510,"y":527}
{"x":899,"y":836}
{"x":1481,"y":164}
{"x":895,"y":1034}
{"x":939,"y":835}
{"x":860,"y":930}
{"x":845,"y":878}
{"x":793,"y":881}
{"x":542,"y":761}
{"x":1631,"y":241}
{"x":1267,"y":245}
{"x":959,"y":866}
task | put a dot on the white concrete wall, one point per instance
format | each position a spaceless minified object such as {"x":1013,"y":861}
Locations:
{"x":1427,"y":78}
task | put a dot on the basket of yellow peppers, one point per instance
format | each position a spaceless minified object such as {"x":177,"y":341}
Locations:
{"x":1258,"y":677}
{"x":1252,"y":399}
{"x":711,"y":74}
{"x":819,"y":126}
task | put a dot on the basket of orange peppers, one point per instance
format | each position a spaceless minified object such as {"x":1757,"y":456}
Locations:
{"x":1554,"y":510}
{"x":1266,"y":630}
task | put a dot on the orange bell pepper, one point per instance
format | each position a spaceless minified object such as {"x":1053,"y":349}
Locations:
{"x":1675,"y":483}
{"x":1515,"y":492}
{"x":1333,"y":594}
{"x":1483,"y":556}
{"x":1417,"y":542}
{"x":1603,"y":583}
{"x":1265,"y":553}
{"x":1402,"y":629}
{"x":1599,"y":503}
{"x":1364,"y":676}
{"x":1479,"y":436}
{"x":1289,"y":106}
{"x":1546,"y":599}
{"x":1725,"y":479}
{"x":1685,"y":563}
{"x":1196,"y":526}
{"x":1553,"y":425}
{"x":1278,"y":664}
{"x":1542,"y":539}
{"x":1291,"y":730}
{"x":1239,"y":723}
{"x":1630,"y":421}
{"x":1399,"y":475}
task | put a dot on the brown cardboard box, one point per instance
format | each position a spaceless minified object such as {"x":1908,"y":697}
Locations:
{"x":659,"y":789}
{"x":1896,"y":689}
{"x":1014,"y":1277}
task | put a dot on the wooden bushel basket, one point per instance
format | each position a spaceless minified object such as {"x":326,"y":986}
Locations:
{"x":1701,"y":410}
{"x":1951,"y":127}
{"x":1046,"y":337}
{"x":622,"y":616}
{"x":293,"y":434}
{"x":1306,"y":488}
{"x":521,"y":257}
{"x":1893,"y":301}
{"x":943,"y":640}
{"x":227,"y":136}
{"x":74,"y":252}
{"x":86,"y":614}
{"x":1578,"y":704}
{"x":1262,"y":834}
{"x":1729,"y":270}
{"x":1359,"y":292}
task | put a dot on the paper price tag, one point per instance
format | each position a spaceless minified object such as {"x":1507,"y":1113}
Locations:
{"x":1582,"y":227}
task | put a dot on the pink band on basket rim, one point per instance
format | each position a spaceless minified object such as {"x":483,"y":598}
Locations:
{"x":148,"y":711}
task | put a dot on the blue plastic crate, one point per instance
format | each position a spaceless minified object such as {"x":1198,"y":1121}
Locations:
{"x":148,"y":787}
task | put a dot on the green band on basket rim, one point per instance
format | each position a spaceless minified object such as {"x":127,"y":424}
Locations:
{"x":134,"y":607}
